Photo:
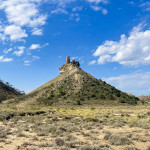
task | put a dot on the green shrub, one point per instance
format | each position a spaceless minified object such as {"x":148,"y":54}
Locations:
{"x":132,"y":100}
{"x":118,"y":93}
{"x":45,"y":101}
{"x":93,"y":95}
{"x":34,"y":108}
{"x":78,"y":102}
{"x":102,"y":96}
{"x":59,"y":142}
{"x":82,"y":99}
{"x":14,"y":107}
{"x":122,"y":101}
{"x":61,"y":93}
{"x":91,"y":119}
{"x":115,"y":91}
{"x":51,"y":95}
{"x":104,"y":82}
{"x":143,"y":102}
{"x":92,"y":108}
{"x":111,"y":97}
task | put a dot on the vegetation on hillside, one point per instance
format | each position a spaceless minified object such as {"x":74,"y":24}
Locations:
{"x":81,"y":88}
{"x":7,"y":91}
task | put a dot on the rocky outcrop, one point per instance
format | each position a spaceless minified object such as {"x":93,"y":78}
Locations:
{"x":69,"y":65}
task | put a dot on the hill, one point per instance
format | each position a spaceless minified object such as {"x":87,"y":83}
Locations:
{"x":7,"y":91}
{"x":145,"y":98}
{"x":75,"y":86}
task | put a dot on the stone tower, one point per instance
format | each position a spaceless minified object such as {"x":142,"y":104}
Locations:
{"x":69,"y":65}
{"x":68,"y":60}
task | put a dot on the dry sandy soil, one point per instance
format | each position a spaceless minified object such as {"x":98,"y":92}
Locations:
{"x":80,"y":127}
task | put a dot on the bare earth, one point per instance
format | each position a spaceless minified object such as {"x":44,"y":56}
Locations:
{"x":80,"y":127}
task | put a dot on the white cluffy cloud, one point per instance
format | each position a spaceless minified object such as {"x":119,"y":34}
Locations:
{"x":19,"y":14}
{"x":95,"y":5}
{"x":15,"y":32}
{"x":98,"y":1}
{"x":92,"y":62}
{"x":2,"y":59}
{"x":62,"y":5}
{"x":20,"y":51}
{"x":129,"y":51}
{"x":136,"y":83}
{"x":37,"y":46}
{"x":24,"y":12}
{"x":99,"y":8}
{"x":37,"y":31}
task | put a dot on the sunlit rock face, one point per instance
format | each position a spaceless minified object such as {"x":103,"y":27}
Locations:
{"x":69,"y":65}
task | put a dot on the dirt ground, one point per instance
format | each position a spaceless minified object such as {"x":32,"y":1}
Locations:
{"x":81,"y":128}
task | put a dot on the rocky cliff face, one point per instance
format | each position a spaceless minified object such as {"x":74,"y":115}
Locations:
{"x":69,"y":65}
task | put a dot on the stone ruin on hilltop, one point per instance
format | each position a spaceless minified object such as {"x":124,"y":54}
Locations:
{"x":69,"y":65}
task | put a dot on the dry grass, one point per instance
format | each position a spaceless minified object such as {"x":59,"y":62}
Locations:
{"x":82,"y":128}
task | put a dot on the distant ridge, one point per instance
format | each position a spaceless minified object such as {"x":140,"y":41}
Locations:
{"x":145,"y":98}
{"x":75,"y":86}
{"x":7,"y":91}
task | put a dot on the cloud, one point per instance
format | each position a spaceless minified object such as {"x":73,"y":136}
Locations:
{"x":37,"y":46}
{"x":146,"y":6}
{"x":21,"y":14}
{"x":99,"y":8}
{"x":131,"y":2}
{"x":36,"y":31}
{"x":92,"y":62}
{"x":98,"y":1}
{"x":133,"y":50}
{"x":95,"y":5}
{"x":59,"y":11}
{"x":74,"y":16}
{"x":15,"y":32}
{"x":28,"y":62}
{"x":6,"y":51}
{"x":60,"y":6}
{"x":35,"y":58}
{"x":79,"y":8}
{"x":2,"y":59}
{"x":24,"y":12}
{"x":25,"y":15}
{"x":63,"y":5}
{"x":2,"y":36}
{"x":20,"y":52}
{"x":136,"y":83}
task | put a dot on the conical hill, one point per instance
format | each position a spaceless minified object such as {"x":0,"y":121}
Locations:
{"x":75,"y":86}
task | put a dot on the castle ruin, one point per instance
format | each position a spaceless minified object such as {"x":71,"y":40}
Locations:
{"x":69,"y":65}
{"x":67,"y":59}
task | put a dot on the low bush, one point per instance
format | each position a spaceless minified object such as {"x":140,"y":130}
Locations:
{"x":59,"y":142}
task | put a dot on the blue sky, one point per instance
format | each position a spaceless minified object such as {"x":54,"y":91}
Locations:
{"x":110,"y":38}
